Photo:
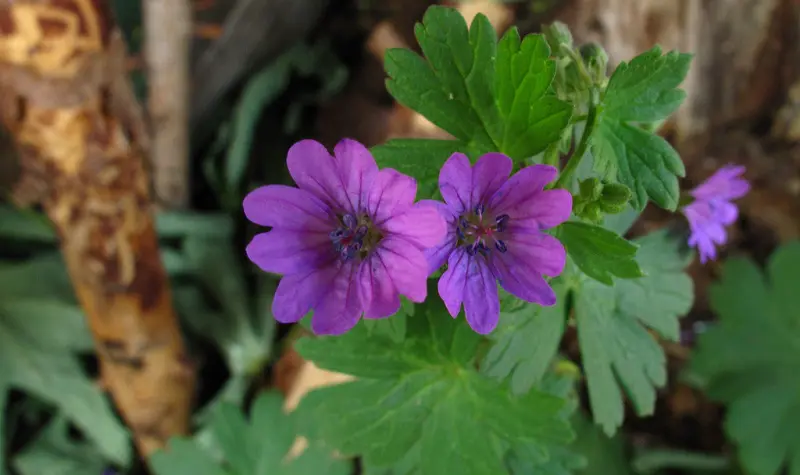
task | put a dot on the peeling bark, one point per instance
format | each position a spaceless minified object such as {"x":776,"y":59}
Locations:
{"x":65,"y":98}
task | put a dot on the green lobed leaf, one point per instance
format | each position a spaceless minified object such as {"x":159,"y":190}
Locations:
{"x":527,"y":340}
{"x":615,"y":345}
{"x":421,"y":159}
{"x":642,"y":161}
{"x":533,"y":117}
{"x":599,"y":252}
{"x":452,"y":86}
{"x":415,"y":392}
{"x":641,"y":91}
{"x":259,"y":446}
{"x":750,"y":359}
{"x":644,"y":89}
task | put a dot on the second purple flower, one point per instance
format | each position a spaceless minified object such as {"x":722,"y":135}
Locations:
{"x":495,"y":235}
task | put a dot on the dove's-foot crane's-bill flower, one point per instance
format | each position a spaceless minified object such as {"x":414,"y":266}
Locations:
{"x":349,"y":240}
{"x":712,"y":211}
{"x":495,"y":235}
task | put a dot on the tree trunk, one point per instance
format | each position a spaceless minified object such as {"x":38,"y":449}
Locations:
{"x":66,"y":100}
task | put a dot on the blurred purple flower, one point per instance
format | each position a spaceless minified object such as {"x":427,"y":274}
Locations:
{"x":348,"y":241}
{"x":712,"y":209}
{"x":495,"y":233}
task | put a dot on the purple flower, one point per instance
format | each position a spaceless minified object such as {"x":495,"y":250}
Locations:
{"x":712,"y":210}
{"x":348,"y":241}
{"x":495,"y":233}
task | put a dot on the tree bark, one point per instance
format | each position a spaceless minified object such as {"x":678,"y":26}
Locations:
{"x":66,"y":100}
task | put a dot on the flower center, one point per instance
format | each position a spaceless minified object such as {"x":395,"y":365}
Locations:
{"x":479,"y":232}
{"x":355,"y":237}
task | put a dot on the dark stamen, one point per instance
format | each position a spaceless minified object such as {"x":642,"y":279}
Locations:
{"x":479,"y":209}
{"x":501,"y":222}
{"x":349,"y":221}
{"x":500,"y":245}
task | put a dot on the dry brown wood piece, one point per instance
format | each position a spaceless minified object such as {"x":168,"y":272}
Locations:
{"x":66,"y":100}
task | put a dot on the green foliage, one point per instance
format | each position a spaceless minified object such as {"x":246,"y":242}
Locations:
{"x":417,"y":392}
{"x":419,"y":158}
{"x":53,"y":452}
{"x":611,"y":328}
{"x":750,"y":359}
{"x":527,"y":340}
{"x":255,"y":447}
{"x":641,"y":91}
{"x":599,"y":252}
{"x":42,"y":331}
{"x":489,"y":96}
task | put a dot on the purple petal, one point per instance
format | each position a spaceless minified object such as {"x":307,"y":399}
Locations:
{"x":489,"y":174}
{"x":358,"y":170}
{"x":391,"y":191}
{"x":297,"y":294}
{"x":315,"y":170}
{"x":452,"y":284}
{"x":455,"y":182}
{"x":520,"y":269}
{"x":289,"y":252}
{"x":481,"y":304}
{"x":725,"y":213}
{"x":340,"y":309}
{"x":378,"y":293}
{"x":523,"y":199}
{"x":724,"y":184}
{"x":421,"y":224}
{"x":437,"y":254}
{"x":538,"y":252}
{"x":287,"y":208}
{"x":406,"y":266}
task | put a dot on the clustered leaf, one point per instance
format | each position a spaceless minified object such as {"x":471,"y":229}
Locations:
{"x":613,"y":325}
{"x":489,"y":96}
{"x":258,"y":446}
{"x":415,"y":395}
{"x":751,"y":357}
{"x":639,"y":92}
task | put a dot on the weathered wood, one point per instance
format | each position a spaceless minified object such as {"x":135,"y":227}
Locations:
{"x":66,"y":100}
{"x":747,"y":51}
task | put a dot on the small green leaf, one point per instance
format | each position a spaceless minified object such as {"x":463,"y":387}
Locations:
{"x":526,"y":341}
{"x":750,"y":359}
{"x":421,"y":159}
{"x":453,"y":88}
{"x":414,"y":391}
{"x":524,"y":73}
{"x":261,"y":89}
{"x":615,"y":344}
{"x":598,"y":252}
{"x":644,"y":89}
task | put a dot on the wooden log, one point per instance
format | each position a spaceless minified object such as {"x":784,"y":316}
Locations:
{"x":66,"y":100}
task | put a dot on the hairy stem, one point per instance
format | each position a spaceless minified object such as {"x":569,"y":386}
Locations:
{"x":565,"y":178}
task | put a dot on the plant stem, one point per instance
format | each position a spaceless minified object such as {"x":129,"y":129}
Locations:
{"x":551,"y":155}
{"x":591,"y":120}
